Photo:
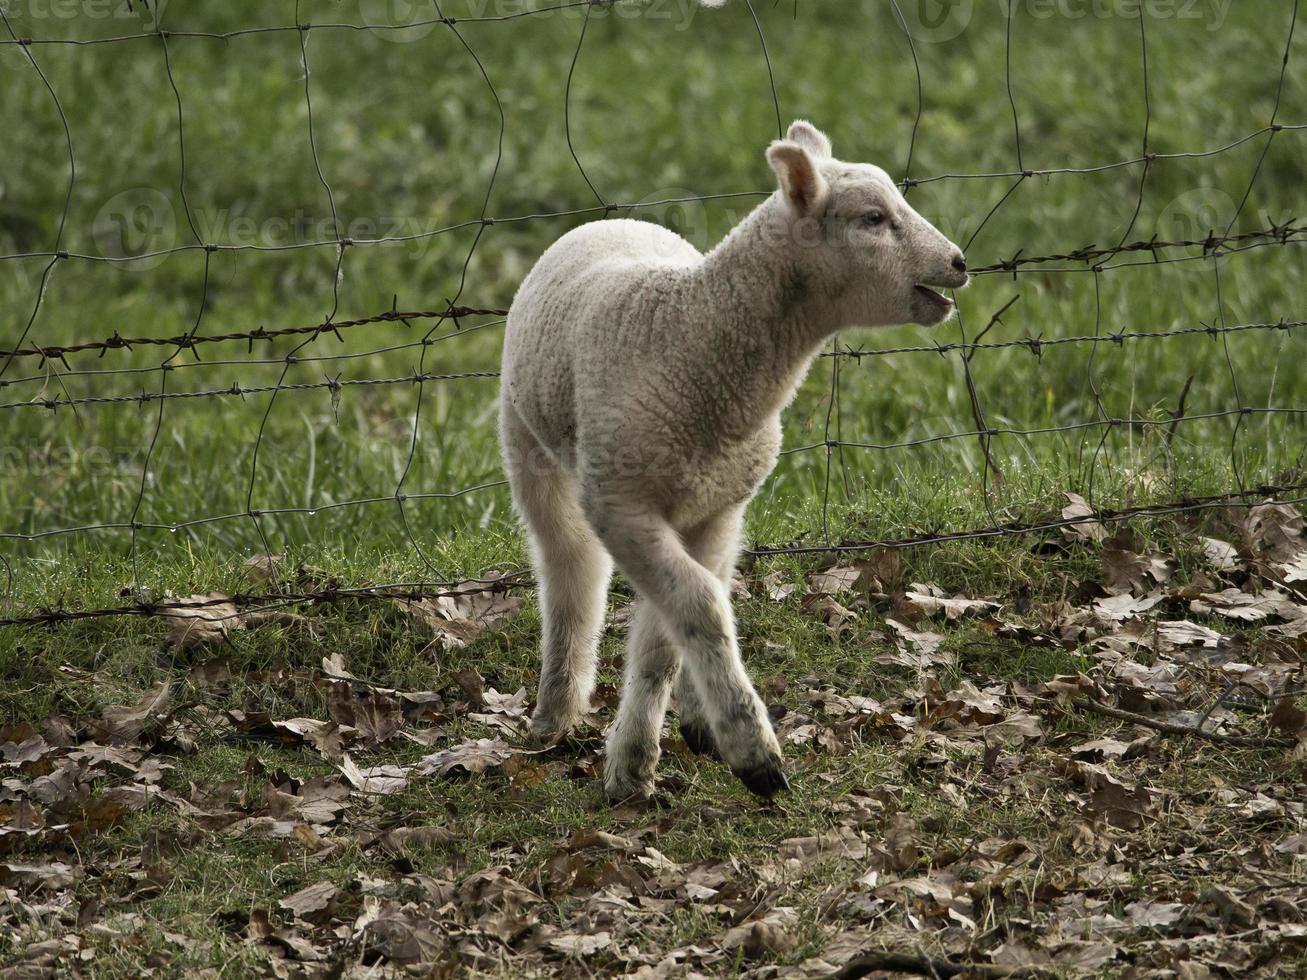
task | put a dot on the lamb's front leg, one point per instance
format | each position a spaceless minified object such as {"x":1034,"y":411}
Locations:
{"x":715,"y":544}
{"x":652,"y":662}
{"x":695,"y":609}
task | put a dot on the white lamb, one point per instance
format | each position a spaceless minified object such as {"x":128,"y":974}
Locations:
{"x":643,"y":384}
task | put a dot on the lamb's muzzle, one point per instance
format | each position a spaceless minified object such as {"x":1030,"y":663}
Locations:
{"x":643,"y":384}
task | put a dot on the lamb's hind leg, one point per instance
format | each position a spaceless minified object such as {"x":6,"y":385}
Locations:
{"x":695,"y":609}
{"x":572,"y":569}
{"x":652,"y":661}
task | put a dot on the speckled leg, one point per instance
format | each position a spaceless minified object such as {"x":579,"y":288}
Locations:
{"x":716,"y":545}
{"x":694,"y":606}
{"x":652,"y":661}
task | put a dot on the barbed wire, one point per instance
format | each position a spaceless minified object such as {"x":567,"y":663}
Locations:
{"x":53,"y":365}
{"x":240,"y":391}
{"x":246,"y":603}
{"x":1212,"y":245}
{"x":1171,"y":423}
{"x":253,"y":362}
{"x":1034,"y":345}
{"x":262,"y":334}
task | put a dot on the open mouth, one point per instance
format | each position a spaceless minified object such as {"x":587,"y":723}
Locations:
{"x":934,"y":296}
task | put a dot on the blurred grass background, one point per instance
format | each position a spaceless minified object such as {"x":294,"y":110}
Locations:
{"x":667,"y":101}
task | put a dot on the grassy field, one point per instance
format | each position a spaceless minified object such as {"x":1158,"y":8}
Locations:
{"x":415,"y":135}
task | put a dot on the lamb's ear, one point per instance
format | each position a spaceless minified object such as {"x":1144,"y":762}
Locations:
{"x":810,"y":138}
{"x":801,"y":182}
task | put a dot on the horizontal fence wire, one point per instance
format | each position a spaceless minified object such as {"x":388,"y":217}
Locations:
{"x":246,"y":603}
{"x":25,"y":361}
{"x":1035,"y":345}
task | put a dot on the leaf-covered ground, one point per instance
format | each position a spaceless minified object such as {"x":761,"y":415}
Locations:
{"x":1008,"y":781}
{"x":343,"y":790}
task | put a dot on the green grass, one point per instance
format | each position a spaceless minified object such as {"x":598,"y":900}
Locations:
{"x":210,"y":884}
{"x":411,"y":146}
{"x":407,"y":136}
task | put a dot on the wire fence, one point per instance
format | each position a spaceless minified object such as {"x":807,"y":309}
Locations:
{"x":38,"y":378}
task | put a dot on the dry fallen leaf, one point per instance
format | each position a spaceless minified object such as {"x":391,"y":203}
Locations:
{"x":123,"y":724}
{"x":377,"y":716}
{"x":1221,"y":554}
{"x":931,"y":600}
{"x":211,"y":617}
{"x":1274,"y":531}
{"x":1235,"y":604}
{"x":401,"y":935}
{"x":1288,"y":717}
{"x":925,"y":649}
{"x":507,"y":712}
{"x":833,"y":581}
{"x":378,"y":780}
{"x":51,"y":876}
{"x":769,"y":934}
{"x":1078,"y":509}
{"x":472,"y":756}
{"x":311,"y":902}
{"x":1295,"y":569}
{"x":262,"y":567}
{"x":1154,"y":915}
{"x":1182,"y":632}
{"x":580,"y":945}
{"x":836,"y":617}
{"x":31,"y":749}
{"x":1125,"y":605}
{"x":1125,"y":569}
{"x":465,"y":613}
{"x":778,"y":590}
{"x":1122,"y":804}
{"x":326,"y":736}
{"x":838,"y":843}
{"x":1065,"y":687}
{"x":1107,"y":748}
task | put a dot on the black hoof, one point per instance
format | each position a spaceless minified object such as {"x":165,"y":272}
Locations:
{"x":765,"y":780}
{"x":698,"y":739}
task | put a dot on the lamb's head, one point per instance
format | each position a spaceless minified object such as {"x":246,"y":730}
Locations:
{"x":857,"y":240}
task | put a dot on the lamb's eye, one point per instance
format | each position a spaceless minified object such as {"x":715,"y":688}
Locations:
{"x":873,"y":218}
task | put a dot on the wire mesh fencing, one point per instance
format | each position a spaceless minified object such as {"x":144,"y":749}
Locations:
{"x":1099,"y":354}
